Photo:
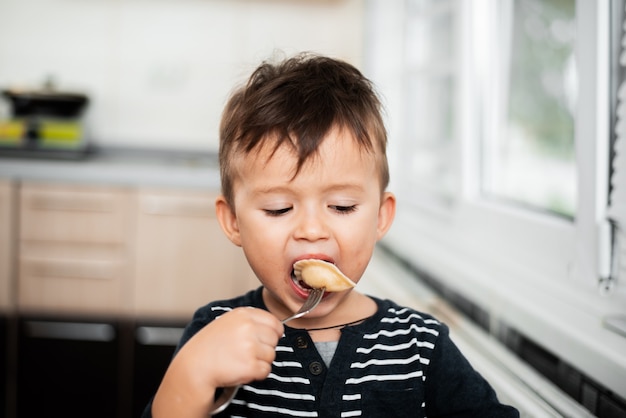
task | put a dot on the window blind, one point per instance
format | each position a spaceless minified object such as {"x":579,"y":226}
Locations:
{"x":617,"y":196}
{"x":617,"y":200}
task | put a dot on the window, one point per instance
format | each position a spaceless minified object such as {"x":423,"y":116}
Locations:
{"x":499,"y":126}
{"x":529,"y":158}
{"x":431,"y":60}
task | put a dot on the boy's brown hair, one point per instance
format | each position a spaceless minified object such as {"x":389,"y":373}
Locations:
{"x":298,"y":102}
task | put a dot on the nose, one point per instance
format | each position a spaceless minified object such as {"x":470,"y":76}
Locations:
{"x":311,"y":226}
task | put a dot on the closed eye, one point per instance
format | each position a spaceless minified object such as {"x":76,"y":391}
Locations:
{"x":276,"y":212}
{"x":344,"y":209}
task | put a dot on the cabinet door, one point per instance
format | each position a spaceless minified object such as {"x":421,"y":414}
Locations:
{"x":73,"y":249}
{"x":69,"y":369}
{"x":183,"y":258}
{"x":7,"y":240}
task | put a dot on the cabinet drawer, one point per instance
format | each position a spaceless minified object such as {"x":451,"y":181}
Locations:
{"x":7,"y":246}
{"x":74,"y":213}
{"x":183,"y":258}
{"x":75,"y":249}
{"x":190,"y":205}
{"x":72,"y":284}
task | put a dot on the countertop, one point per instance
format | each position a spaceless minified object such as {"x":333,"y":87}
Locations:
{"x":121,"y":167}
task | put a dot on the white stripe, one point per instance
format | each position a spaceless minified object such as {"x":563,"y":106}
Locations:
{"x":284,"y":348}
{"x":280,"y":394}
{"x":402,"y":331}
{"x":287,"y":364}
{"x":406,"y":319}
{"x":397,"y":347}
{"x":387,"y":362}
{"x":351,"y":414}
{"x":382,"y":378}
{"x":283,"y":411}
{"x":289,"y":379}
{"x":221,"y":308}
{"x":398,"y":311}
{"x":354,"y":397}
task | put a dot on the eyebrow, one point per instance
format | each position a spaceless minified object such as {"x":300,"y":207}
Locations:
{"x":287,"y":189}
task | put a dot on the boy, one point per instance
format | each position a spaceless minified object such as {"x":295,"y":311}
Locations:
{"x":304,"y":175}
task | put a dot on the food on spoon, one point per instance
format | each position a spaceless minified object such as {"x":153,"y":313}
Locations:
{"x":319,"y":273}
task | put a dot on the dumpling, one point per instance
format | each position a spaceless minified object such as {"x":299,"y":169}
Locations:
{"x":319,"y":273}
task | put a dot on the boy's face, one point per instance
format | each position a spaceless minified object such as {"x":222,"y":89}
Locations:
{"x":332,"y":210}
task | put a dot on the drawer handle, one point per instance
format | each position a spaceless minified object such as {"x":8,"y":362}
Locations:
{"x":73,"y":203}
{"x":70,"y":331}
{"x":153,"y":205}
{"x":159,"y":335}
{"x":99,"y":270}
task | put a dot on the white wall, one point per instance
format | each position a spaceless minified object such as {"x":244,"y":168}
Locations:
{"x":159,"y":71}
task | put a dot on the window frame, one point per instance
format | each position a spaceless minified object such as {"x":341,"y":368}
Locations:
{"x":535,"y":272}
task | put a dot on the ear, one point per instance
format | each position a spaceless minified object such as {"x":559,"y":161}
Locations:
{"x":386,"y":214}
{"x":228,"y":220}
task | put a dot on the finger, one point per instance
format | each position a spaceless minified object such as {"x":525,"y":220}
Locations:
{"x":266,"y":318}
{"x":263,"y":370}
{"x":262,"y":319}
{"x":266,"y":352}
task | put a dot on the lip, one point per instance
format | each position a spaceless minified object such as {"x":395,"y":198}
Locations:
{"x":322,"y":257}
{"x":304,"y":294}
{"x":300,"y":292}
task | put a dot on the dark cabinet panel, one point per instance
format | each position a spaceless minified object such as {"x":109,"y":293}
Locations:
{"x":153,"y":348}
{"x":68,"y":369}
{"x":4,"y":362}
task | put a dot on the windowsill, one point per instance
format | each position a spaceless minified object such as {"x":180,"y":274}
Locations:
{"x":515,"y":382}
{"x":559,"y":318}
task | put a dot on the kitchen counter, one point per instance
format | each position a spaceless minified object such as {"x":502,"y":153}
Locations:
{"x":122,"y":167}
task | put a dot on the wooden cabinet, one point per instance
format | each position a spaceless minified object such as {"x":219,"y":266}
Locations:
{"x":74,"y":249}
{"x":7,"y":244}
{"x":183,"y":259}
{"x":116,"y":251}
{"x":98,"y":276}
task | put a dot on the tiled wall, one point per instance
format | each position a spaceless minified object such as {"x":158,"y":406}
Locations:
{"x":159,"y":71}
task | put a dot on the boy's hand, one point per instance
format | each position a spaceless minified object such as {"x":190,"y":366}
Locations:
{"x":239,"y":346}
{"x":234,"y":349}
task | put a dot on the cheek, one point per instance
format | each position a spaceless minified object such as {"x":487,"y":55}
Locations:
{"x":357,"y":264}
{"x":253,"y":237}
{"x":367,"y":227}
{"x":258,"y":228}
{"x":361,"y":238}
{"x":357,"y":243}
{"x":260,"y":240}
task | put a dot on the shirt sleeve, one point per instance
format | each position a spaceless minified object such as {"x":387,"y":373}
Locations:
{"x":455,"y":389}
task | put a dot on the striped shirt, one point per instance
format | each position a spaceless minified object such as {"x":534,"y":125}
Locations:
{"x":398,"y":363}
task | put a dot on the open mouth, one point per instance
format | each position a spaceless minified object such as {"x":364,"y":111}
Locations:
{"x":299,"y":283}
